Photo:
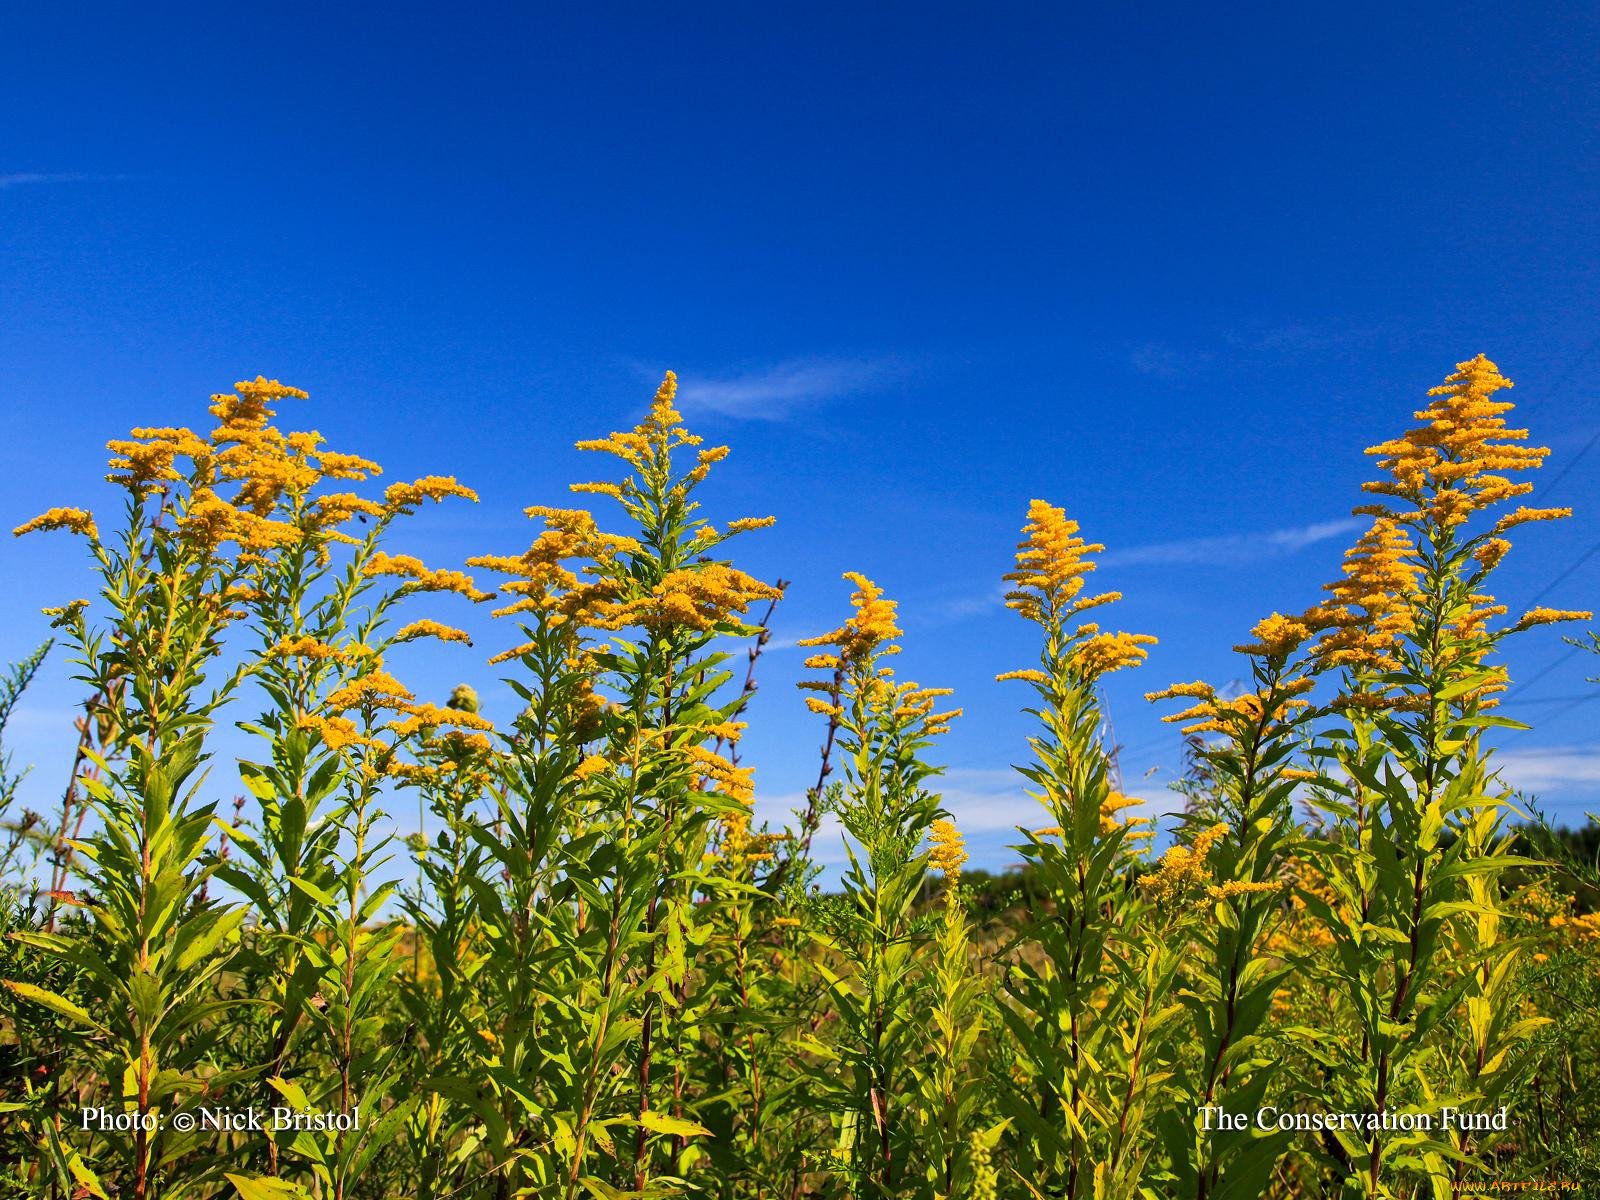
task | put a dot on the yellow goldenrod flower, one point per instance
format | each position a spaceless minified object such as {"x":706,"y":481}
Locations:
{"x":1240,"y":887}
{"x":337,"y":733}
{"x":405,"y":497}
{"x":430,"y":716}
{"x":591,"y":766}
{"x":377,"y":689}
{"x":1050,"y":564}
{"x":1522,"y":516}
{"x":1549,"y":616}
{"x":433,"y":629}
{"x":1028,"y":675}
{"x":1103,"y":653}
{"x":949,"y":851}
{"x":318,"y":651}
{"x":872,"y":623}
{"x":78,"y":520}
{"x":419,"y":578}
{"x":1277,"y":636}
{"x":1182,"y":868}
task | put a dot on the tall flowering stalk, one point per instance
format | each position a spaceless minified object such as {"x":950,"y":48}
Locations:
{"x":867,"y":942}
{"x":1089,"y":1011}
{"x":631,"y":636}
{"x":156,"y":950}
{"x":1230,"y":866}
{"x":322,"y":594}
{"x":1416,"y":854}
{"x":951,"y":1082}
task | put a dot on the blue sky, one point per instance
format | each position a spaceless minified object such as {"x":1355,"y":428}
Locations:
{"x":1171,"y":267}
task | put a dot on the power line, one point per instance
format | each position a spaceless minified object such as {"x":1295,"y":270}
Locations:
{"x":1566,"y":470}
{"x":1548,"y":668}
{"x":1576,"y":563}
{"x":1556,"y":387}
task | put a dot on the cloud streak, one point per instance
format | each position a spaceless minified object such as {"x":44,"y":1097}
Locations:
{"x":1554,"y":768}
{"x":24,"y":178}
{"x":1232,"y":549}
{"x":777,"y":392}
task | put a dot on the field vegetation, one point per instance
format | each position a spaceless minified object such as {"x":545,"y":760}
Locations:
{"x":608,"y":980}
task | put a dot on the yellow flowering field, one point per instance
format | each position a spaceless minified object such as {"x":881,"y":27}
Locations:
{"x":1350,"y":967}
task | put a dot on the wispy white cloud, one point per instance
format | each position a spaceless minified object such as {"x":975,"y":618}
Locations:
{"x":775,"y":393}
{"x":23,"y":178}
{"x":1231,"y":549}
{"x":1161,"y":361}
{"x":1551,"y":768}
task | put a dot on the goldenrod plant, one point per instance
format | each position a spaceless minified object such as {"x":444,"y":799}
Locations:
{"x":1089,"y":1009}
{"x":869,"y":939}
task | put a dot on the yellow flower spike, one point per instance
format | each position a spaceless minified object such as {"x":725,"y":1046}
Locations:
{"x":1277,"y":636}
{"x":949,"y":850}
{"x":1182,"y":868}
{"x":78,"y":520}
{"x":872,"y":623}
{"x":1548,"y":616}
{"x":337,"y":733}
{"x":1455,"y":463}
{"x":1524,"y":516}
{"x":374,"y":690}
{"x":1106,"y":652}
{"x":1050,"y":563}
{"x":591,"y":766}
{"x":315,"y":650}
{"x":432,"y":629}
{"x":1240,"y":887}
{"x":407,"y":497}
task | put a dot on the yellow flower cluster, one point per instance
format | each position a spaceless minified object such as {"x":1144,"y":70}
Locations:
{"x":1182,"y":868}
{"x":1584,"y":928}
{"x":1276,"y":636}
{"x":700,"y":597}
{"x":1456,"y":462}
{"x":740,"y":847}
{"x":420,"y":578}
{"x":426,"y":717}
{"x":872,"y":624}
{"x":648,"y":446}
{"x":1111,"y":806}
{"x":78,"y":520}
{"x":375,"y":690}
{"x":407,"y":497}
{"x":337,"y":733}
{"x":1241,"y":887}
{"x":542,"y":583}
{"x":1370,"y":611}
{"x":1049,"y":573}
{"x":733,"y":782}
{"x":318,"y":651}
{"x":1051,"y":566}
{"x":1101,"y":653}
{"x":1549,"y":616}
{"x":1210,"y":714}
{"x":431,"y":629}
{"x":591,"y":766}
{"x":949,"y":850}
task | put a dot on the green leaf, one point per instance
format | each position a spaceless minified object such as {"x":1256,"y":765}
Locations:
{"x":662,"y":1123}
{"x":59,"y":1005}
{"x":259,"y":1188}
